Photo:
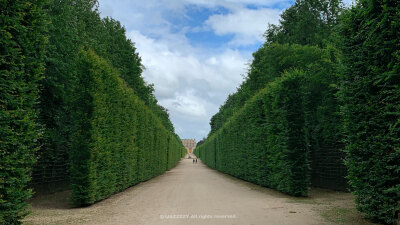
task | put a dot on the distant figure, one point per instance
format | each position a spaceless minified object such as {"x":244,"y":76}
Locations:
{"x":193,"y":161}
{"x":196,"y":160}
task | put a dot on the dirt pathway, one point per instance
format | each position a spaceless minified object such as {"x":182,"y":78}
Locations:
{"x":194,"y":194}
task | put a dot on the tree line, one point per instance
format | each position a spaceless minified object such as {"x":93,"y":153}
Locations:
{"x":322,"y":91}
{"x":74,"y":106}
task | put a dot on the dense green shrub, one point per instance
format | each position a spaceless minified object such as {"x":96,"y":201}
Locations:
{"x":22,"y":42}
{"x":118,"y":141}
{"x":322,"y":127}
{"x":288,"y":132}
{"x":270,"y":61}
{"x":51,"y":168}
{"x":75,"y":24}
{"x":371,"y":94}
{"x":72,"y":24}
{"x":264,"y":142}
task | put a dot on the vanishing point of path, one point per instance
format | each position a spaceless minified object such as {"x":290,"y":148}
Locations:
{"x":195,"y":194}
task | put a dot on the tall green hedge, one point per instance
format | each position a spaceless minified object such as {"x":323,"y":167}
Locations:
{"x":22,"y":42}
{"x":370,"y":93}
{"x":118,"y":141}
{"x":264,"y":142}
{"x":288,"y":134}
{"x":74,"y":24}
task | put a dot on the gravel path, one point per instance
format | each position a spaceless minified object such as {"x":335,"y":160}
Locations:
{"x":194,"y":194}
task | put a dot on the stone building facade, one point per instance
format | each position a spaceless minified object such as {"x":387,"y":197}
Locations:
{"x":190,"y":144}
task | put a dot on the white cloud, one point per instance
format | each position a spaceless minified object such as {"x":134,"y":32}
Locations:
{"x":349,"y":2}
{"x":247,"y":25}
{"x":187,"y":104}
{"x":190,"y":83}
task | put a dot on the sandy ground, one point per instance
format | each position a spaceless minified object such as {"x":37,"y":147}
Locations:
{"x":194,"y":194}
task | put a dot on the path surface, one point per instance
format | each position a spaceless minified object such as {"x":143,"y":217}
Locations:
{"x":190,"y":194}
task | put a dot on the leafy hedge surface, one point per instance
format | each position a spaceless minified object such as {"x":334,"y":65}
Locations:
{"x":76,"y":24}
{"x":272,"y":139}
{"x":270,"y":61}
{"x":264,"y":142}
{"x":51,"y":168}
{"x":21,"y":67}
{"x":371,"y":95}
{"x":118,"y":141}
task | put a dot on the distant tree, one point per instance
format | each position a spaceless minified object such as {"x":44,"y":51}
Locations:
{"x":121,"y":52}
{"x":201,"y":142}
{"x":307,"y":22}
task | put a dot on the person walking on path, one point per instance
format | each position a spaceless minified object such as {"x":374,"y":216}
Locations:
{"x":196,"y":160}
{"x":193,"y":161}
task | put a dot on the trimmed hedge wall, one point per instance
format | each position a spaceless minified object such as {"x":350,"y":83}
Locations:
{"x":279,"y":138}
{"x":72,"y":25}
{"x":22,"y":44}
{"x":370,"y":93}
{"x":263,"y":143}
{"x":118,"y":141}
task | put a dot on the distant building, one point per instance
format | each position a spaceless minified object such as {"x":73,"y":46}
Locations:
{"x":190,"y":144}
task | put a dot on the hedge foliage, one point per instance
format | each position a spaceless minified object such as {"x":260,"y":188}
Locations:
{"x":370,"y":95}
{"x":52,"y":167}
{"x":270,"y":61}
{"x":363,"y":118}
{"x":270,"y":140}
{"x":22,"y":29}
{"x":263,"y":142}
{"x":102,"y":125}
{"x":118,"y":141}
{"x":127,"y":136}
{"x":75,"y":24}
{"x":307,"y":22}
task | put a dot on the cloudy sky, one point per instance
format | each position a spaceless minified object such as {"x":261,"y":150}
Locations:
{"x":196,"y":52}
